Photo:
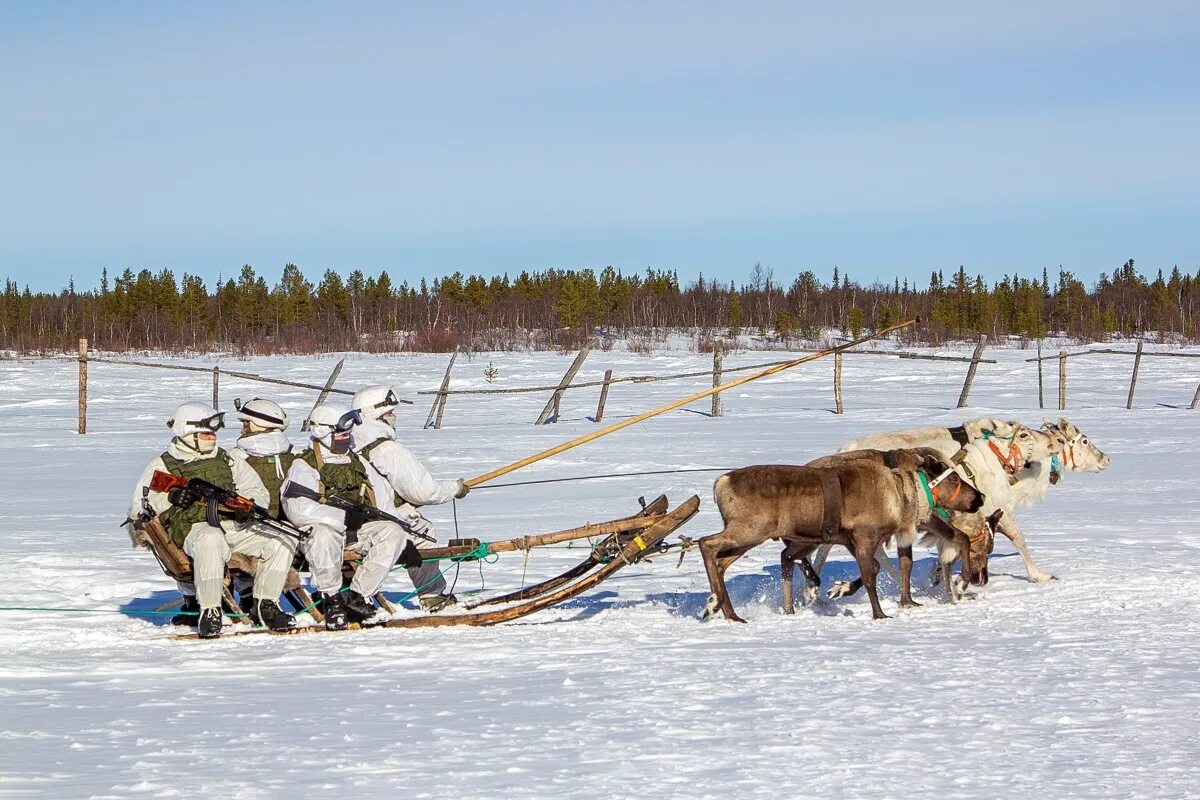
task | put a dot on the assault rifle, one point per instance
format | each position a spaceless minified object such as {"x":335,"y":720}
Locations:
{"x":214,"y":496}
{"x":369,"y":513}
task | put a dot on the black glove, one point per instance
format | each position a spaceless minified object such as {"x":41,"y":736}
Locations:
{"x":355,"y":519}
{"x":241,"y":516}
{"x":410,"y":557}
{"x":182,"y":498}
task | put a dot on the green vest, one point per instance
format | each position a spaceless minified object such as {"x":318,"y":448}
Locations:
{"x":365,"y":452}
{"x":217,"y":469}
{"x":264,"y":467}
{"x":347,"y":481}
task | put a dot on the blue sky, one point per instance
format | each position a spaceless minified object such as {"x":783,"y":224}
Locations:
{"x":888,"y":139}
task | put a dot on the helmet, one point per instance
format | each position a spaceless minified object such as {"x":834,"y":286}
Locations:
{"x":327,"y":419}
{"x":196,"y":418}
{"x":374,"y":402}
{"x":261,"y":413}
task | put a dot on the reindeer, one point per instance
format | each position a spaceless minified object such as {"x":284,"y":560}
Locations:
{"x":952,"y":532}
{"x":858,"y":504}
{"x":1007,"y":461}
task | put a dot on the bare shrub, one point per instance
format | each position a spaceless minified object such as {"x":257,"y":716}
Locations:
{"x":642,"y":345}
{"x":432,"y":340}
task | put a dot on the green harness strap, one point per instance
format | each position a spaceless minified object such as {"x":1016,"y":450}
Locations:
{"x":941,"y":512}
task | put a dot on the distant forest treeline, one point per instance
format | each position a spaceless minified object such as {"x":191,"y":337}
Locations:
{"x":562,"y":308}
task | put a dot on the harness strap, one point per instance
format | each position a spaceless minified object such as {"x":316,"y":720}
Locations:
{"x":1010,"y":461}
{"x":831,"y":496}
{"x":923,"y":482}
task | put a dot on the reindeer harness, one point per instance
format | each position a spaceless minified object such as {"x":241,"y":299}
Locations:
{"x":831,"y":504}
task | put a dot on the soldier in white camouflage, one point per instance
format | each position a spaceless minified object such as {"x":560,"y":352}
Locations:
{"x":193,"y":453}
{"x":414,"y":486}
{"x":265,"y":448}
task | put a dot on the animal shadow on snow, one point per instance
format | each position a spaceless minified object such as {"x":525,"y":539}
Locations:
{"x":763,"y":589}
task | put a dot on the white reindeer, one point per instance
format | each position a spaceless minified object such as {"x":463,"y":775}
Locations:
{"x":1010,"y":463}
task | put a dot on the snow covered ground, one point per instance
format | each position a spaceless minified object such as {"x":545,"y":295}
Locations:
{"x":1084,"y":687}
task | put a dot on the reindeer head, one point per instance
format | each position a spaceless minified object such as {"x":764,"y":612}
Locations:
{"x":1078,"y":453}
{"x":1038,"y":445}
{"x":950,"y":491}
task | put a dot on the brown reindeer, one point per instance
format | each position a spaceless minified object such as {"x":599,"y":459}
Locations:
{"x":952,"y":536}
{"x":858,"y":504}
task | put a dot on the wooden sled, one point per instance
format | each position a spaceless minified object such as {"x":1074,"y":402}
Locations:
{"x":152,"y":535}
{"x":601,"y":553}
{"x":631,"y":543}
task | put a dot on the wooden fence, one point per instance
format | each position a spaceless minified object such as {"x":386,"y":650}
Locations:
{"x":550,"y":411}
{"x":1137,"y":354}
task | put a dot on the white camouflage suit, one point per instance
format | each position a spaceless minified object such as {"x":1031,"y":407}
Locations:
{"x":412,"y":481}
{"x":379,"y":543}
{"x":209,"y":547}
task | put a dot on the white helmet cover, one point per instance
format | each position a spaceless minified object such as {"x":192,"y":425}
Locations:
{"x":374,"y":401}
{"x":196,"y":418}
{"x":327,"y":418}
{"x":263,"y":413}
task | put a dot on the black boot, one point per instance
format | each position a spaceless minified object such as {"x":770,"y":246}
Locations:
{"x":209,"y":625}
{"x":189,"y":612}
{"x":333,"y":606}
{"x":359,"y":608}
{"x":269,"y":615}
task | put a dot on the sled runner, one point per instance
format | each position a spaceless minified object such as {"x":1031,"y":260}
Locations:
{"x":627,"y":541}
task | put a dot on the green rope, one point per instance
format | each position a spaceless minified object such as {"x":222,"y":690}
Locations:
{"x":480,"y":553}
{"x":941,"y":512}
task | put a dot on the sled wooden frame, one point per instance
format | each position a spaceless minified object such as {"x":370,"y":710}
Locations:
{"x":613,"y":531}
{"x":636,"y":543}
{"x":628,"y":547}
{"x":600,"y":553}
{"x":175,"y":564}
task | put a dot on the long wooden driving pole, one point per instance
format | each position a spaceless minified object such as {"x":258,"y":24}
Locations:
{"x":683,"y":401}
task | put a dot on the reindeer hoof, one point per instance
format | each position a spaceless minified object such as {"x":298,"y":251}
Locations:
{"x":710,"y":608}
{"x":1041,"y":577}
{"x":840,"y":589}
{"x":880,"y":615}
{"x":808,"y":595}
{"x":909,"y":604}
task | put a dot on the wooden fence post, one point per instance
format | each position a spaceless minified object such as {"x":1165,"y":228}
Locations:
{"x":837,"y":381}
{"x":1195,"y":399}
{"x":718,"y":356}
{"x":1041,"y":396}
{"x":568,"y":376}
{"x":441,"y":412}
{"x":1062,"y":380}
{"x":439,"y":399}
{"x":83,"y":386}
{"x":603,"y":396}
{"x":978,"y":354}
{"x":333,"y":376}
{"x":216,"y":385}
{"x":1137,"y":362}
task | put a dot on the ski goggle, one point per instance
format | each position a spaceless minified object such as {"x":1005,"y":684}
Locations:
{"x":213,"y":423}
{"x":245,"y":408}
{"x":389,"y":400}
{"x":347,"y":421}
